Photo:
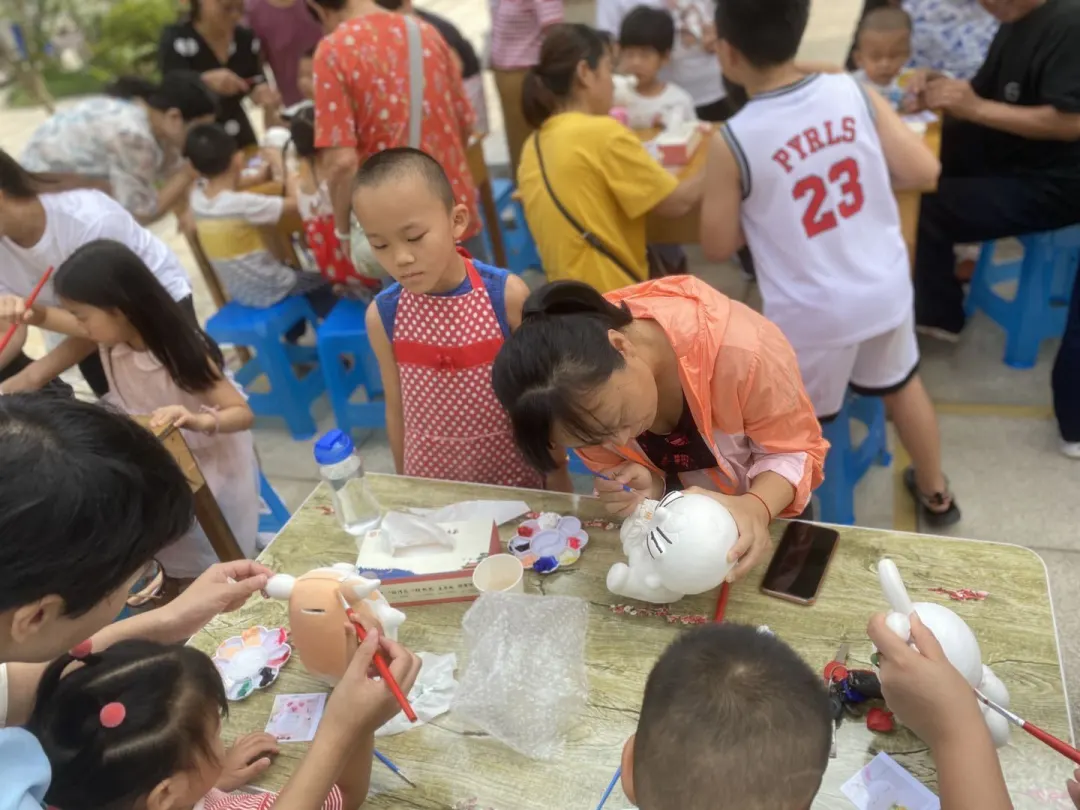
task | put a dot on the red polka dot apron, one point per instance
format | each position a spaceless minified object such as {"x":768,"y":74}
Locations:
{"x":455,"y":428}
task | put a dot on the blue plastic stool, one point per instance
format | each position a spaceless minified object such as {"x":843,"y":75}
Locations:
{"x":342,"y":334}
{"x":521,"y":253}
{"x":845,"y":465}
{"x":273,"y":514}
{"x":1044,"y":278}
{"x":263,"y":330}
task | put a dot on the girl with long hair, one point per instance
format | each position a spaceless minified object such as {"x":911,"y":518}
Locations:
{"x":159,"y":362}
{"x":44,"y":218}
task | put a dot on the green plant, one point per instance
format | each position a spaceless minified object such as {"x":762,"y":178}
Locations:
{"x":59,"y":85}
{"x":128,"y":35}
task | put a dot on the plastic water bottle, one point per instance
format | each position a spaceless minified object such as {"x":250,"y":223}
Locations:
{"x":339,"y":465}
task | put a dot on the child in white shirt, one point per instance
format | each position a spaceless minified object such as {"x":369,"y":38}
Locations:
{"x":646,"y":39}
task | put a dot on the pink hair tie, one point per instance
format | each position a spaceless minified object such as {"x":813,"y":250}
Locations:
{"x":82,"y":649}
{"x":112,"y":714}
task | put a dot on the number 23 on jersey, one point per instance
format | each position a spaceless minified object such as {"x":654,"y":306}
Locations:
{"x":843,"y":176}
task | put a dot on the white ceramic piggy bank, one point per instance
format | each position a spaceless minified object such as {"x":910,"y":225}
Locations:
{"x":674,"y":547}
{"x":956,"y":639}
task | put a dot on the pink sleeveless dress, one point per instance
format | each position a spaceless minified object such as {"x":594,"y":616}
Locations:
{"x":139,"y":385}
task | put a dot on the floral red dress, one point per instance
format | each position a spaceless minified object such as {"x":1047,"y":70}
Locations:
{"x":455,"y":428}
{"x":361,"y":74}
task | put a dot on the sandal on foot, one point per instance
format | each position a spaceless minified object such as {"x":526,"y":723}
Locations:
{"x":930,"y":505}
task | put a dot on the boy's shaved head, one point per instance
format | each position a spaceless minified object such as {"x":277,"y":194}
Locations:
{"x":733,"y":719}
{"x":404,"y":161}
{"x":885,"y":20}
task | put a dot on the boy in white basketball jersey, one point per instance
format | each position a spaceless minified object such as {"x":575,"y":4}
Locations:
{"x":804,"y":175}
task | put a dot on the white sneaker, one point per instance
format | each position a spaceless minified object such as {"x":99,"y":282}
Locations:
{"x":1071,"y":449}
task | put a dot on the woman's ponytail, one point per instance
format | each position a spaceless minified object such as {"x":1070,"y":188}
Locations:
{"x":551,"y":82}
{"x":561,"y":298}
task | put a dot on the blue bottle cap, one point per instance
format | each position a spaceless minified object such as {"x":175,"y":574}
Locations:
{"x":333,"y":447}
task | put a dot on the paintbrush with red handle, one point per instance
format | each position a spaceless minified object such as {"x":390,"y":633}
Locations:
{"x":29,"y":303}
{"x":1060,"y":746}
{"x":721,"y":602}
{"x":380,"y":664}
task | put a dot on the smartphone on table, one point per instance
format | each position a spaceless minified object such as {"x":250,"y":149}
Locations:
{"x":800,"y":563}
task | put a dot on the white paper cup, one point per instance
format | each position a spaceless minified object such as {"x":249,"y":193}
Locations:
{"x":499,"y":572}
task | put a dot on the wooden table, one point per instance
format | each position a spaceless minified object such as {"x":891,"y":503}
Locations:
{"x":686,"y":230}
{"x":1015,"y":626}
{"x":207,"y":511}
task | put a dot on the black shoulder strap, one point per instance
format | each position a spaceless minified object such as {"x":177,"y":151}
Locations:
{"x":592,"y":239}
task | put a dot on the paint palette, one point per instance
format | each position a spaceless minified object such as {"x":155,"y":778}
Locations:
{"x":251,"y":660}
{"x":549,"y":542}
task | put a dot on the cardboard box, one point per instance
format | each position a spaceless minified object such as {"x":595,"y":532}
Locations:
{"x":678,"y":145}
{"x":429,"y":577}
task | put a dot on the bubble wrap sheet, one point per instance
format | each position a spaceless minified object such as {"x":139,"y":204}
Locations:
{"x":524,"y":681}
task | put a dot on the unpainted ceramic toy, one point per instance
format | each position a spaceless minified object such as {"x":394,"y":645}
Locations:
{"x":317,"y":618}
{"x":956,"y":639}
{"x":674,"y":547}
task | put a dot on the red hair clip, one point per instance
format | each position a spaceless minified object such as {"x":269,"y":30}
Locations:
{"x":82,"y":649}
{"x":112,"y":714}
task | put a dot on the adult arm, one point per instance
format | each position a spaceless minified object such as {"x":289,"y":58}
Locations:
{"x":222,"y":588}
{"x":721,"y":225}
{"x":335,"y":132}
{"x":778,"y":418}
{"x":36,"y":375}
{"x":391,"y":379}
{"x":1057,"y":119}
{"x":911,"y":163}
{"x":14,"y":347}
{"x":638,"y":183}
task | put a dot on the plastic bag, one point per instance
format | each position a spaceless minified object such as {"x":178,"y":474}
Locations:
{"x":430,"y":695}
{"x":524,"y":681}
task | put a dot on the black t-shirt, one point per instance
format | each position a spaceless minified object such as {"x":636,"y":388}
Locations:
{"x":470,"y":63}
{"x":682,"y":450}
{"x":182,"y":48}
{"x":1031,"y":63}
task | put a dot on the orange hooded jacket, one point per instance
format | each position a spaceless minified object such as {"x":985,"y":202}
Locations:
{"x":741,"y":379}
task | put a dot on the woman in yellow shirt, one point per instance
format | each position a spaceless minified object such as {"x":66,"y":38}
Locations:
{"x":587,"y":181}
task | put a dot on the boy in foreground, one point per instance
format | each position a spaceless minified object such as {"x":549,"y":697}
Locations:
{"x":733,"y":719}
{"x":804,"y":177}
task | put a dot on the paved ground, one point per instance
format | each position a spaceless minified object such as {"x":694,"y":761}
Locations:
{"x":999,"y":443}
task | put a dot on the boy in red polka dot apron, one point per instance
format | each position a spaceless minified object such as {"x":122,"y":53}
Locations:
{"x":437,"y":330}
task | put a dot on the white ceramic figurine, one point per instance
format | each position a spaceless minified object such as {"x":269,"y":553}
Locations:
{"x":674,"y":547}
{"x":956,"y":639}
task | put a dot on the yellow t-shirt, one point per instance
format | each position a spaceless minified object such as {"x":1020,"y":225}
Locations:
{"x":606,"y":179}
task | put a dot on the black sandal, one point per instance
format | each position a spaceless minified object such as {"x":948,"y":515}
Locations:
{"x":935,"y":517}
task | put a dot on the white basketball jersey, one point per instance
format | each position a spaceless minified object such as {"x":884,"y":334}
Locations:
{"x":819,"y":214}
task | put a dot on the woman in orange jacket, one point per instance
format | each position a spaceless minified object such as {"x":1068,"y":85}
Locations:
{"x":665,"y":385}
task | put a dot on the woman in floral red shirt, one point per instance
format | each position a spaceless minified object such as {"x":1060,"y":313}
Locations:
{"x":361,"y":74}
